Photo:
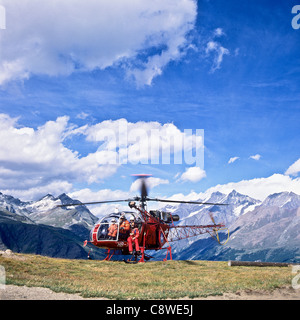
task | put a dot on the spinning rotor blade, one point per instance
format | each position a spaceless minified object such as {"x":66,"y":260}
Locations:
{"x":189,"y":202}
{"x":144,"y":192}
{"x":96,"y":202}
{"x":143,"y":187}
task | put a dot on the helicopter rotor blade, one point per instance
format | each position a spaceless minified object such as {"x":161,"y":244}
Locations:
{"x":189,"y":202}
{"x":144,"y":192}
{"x":143,"y":187}
{"x":96,"y":202}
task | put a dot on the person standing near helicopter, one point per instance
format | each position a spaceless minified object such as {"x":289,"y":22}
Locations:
{"x":133,"y":237}
{"x":124,"y":227}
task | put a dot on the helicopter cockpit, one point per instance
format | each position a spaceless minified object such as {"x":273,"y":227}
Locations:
{"x":108,"y":227}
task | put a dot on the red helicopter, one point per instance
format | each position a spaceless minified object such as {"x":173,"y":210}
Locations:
{"x":154,"y":229}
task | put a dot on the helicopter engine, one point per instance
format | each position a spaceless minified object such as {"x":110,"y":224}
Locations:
{"x":165,"y":216}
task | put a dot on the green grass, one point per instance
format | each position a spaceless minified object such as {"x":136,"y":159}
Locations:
{"x":151,"y":280}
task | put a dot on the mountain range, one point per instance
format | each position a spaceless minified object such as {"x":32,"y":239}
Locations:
{"x":40,"y":227}
{"x":259,"y":230}
{"x":266,"y":230}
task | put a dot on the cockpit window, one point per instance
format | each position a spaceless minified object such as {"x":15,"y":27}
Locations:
{"x":114,"y":227}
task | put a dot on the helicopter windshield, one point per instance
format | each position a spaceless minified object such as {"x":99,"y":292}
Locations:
{"x":114,"y":227}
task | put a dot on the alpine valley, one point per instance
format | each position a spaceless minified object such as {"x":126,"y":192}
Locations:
{"x":40,"y":227}
{"x":259,"y":230}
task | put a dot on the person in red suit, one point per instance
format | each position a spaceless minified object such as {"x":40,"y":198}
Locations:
{"x":133,"y":237}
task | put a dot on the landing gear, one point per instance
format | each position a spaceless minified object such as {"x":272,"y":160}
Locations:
{"x":138,"y":255}
{"x":169,"y":251}
{"x":109,"y":255}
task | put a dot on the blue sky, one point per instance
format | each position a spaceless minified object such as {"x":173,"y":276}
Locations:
{"x":231,"y":68}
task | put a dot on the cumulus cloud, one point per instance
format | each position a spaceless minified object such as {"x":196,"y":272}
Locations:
{"x":87,"y":195}
{"x":147,"y":142}
{"x":218,"y":51}
{"x":255,"y":157}
{"x":233,"y":159}
{"x":36,"y":159}
{"x":260,"y":188}
{"x":218,"y":32}
{"x":294,"y":169}
{"x":39,"y":155}
{"x":59,"y":37}
{"x":193,"y":174}
{"x":33,"y":161}
{"x":151,"y":182}
{"x":54,"y":187}
{"x":215,"y":49}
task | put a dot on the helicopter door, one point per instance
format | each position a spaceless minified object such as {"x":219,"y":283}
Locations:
{"x":152,"y":236}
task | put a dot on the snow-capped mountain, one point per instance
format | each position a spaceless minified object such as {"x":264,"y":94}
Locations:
{"x":194,"y":214}
{"x":288,"y":200}
{"x":43,"y":228}
{"x":13,"y":205}
{"x":45,"y":211}
{"x":236,"y":205}
{"x":269,"y":232}
{"x":265,"y":231}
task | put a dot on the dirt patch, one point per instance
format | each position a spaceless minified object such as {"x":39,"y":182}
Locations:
{"x":10,"y":255}
{"x":11,"y":292}
{"x":286,"y":293}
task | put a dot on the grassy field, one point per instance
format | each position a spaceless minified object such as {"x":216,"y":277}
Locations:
{"x":151,"y":280}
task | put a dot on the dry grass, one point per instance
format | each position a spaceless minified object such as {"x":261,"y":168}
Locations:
{"x":151,"y":280}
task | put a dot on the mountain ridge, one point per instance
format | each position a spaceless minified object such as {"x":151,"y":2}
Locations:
{"x":269,"y":232}
{"x":41,"y":227}
{"x":260,"y":230}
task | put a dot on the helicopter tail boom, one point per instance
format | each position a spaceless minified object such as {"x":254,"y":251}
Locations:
{"x":183,"y":232}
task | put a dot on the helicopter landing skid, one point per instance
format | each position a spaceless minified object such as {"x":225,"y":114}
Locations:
{"x":109,"y":254}
{"x":134,"y":258}
{"x":169,"y":252}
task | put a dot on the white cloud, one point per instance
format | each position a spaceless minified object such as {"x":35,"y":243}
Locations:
{"x":87,"y":195}
{"x":294,"y":169}
{"x":34,"y":160}
{"x":34,"y":193}
{"x":255,"y":157}
{"x":59,"y":37}
{"x":193,"y":174}
{"x":218,"y":32}
{"x":151,"y":182}
{"x":146,"y":142}
{"x":218,"y":51}
{"x":260,"y":188}
{"x":82,"y":115}
{"x":233,"y":159}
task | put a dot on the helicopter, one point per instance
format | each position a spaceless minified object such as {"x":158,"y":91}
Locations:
{"x":156,"y":228}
